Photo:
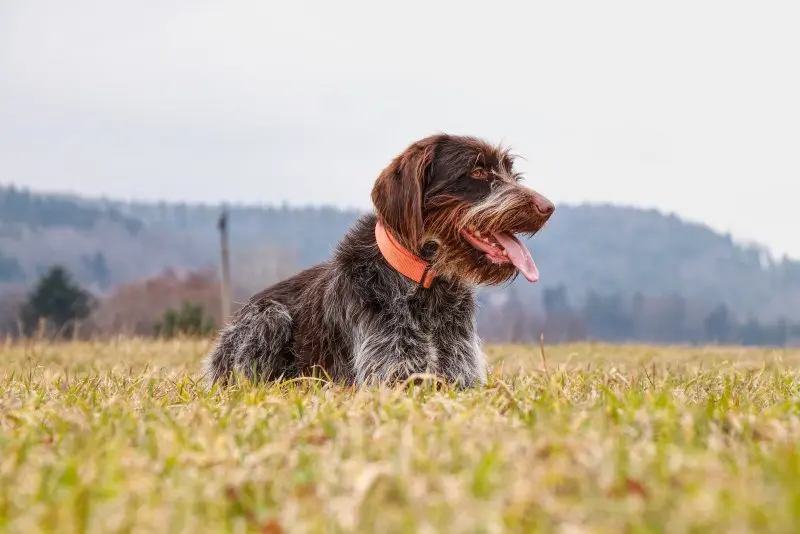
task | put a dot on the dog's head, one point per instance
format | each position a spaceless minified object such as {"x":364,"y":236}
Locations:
{"x":458,"y":202}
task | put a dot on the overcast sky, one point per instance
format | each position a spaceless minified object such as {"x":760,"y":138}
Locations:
{"x":687,"y":106}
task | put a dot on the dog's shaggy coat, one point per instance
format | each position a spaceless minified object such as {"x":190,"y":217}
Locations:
{"x":358,"y":320}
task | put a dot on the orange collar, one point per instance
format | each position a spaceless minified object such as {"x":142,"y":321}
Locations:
{"x":403,"y":261}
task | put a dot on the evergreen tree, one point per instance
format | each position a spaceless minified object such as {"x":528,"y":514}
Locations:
{"x":718,"y":325}
{"x":58,"y":300}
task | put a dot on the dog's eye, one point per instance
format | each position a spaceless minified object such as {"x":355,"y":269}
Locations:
{"x":479,"y":174}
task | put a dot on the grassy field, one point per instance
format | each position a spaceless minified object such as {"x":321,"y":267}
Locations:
{"x":119,"y":437}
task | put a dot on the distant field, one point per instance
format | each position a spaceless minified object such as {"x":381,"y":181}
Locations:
{"x":118,"y":437}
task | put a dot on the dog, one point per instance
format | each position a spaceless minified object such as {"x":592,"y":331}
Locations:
{"x":396,"y":300}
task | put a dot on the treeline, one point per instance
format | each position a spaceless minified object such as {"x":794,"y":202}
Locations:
{"x":34,"y":211}
{"x":615,"y":317}
{"x":614,"y":249}
{"x":172,"y":303}
{"x":188,"y":304}
{"x":608,"y":249}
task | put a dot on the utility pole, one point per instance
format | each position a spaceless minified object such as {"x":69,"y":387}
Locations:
{"x":225,"y":281}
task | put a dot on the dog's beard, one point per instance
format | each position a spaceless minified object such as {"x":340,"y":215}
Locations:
{"x":478,"y":242}
{"x":471,"y":266}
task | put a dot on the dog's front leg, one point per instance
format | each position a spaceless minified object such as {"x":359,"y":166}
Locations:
{"x":390,"y":355}
{"x":461,"y":359}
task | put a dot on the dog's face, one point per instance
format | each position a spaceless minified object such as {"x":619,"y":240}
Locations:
{"x":457,"y":202}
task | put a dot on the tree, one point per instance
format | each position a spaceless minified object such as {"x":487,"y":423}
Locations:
{"x":555,"y":301}
{"x":607,"y":318}
{"x":753,"y":333}
{"x":719,"y":325}
{"x":560,"y":322}
{"x":57,"y":300}
{"x":190,"y":319}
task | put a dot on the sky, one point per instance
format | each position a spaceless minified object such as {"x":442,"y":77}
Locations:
{"x":691,"y":107}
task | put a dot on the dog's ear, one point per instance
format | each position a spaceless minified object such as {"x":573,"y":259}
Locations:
{"x":397,"y":194}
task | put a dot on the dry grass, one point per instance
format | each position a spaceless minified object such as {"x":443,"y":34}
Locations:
{"x":120,"y":438}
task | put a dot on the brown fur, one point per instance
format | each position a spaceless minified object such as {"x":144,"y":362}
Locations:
{"x":420,"y":200}
{"x":357,"y":319}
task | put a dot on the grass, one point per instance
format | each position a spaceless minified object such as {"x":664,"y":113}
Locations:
{"x":119,"y":437}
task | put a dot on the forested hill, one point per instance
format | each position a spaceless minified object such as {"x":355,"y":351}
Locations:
{"x":600,"y":248}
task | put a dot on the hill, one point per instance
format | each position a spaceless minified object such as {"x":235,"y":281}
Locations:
{"x":99,"y":244}
{"x":602,"y":249}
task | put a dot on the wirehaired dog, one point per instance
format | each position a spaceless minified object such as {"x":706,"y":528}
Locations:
{"x":397,"y":297}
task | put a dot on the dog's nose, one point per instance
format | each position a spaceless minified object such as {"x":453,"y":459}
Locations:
{"x":542,"y":205}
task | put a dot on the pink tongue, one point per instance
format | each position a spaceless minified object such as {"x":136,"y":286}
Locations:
{"x":519,"y":256}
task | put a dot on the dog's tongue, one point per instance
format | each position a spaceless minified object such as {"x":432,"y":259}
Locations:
{"x":519,"y":255}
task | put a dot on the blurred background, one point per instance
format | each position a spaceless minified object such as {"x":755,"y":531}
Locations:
{"x":666,"y":133}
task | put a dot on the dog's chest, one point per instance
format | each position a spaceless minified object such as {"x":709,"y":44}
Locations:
{"x":425,"y":331}
{"x":429,"y":351}
{"x":402,"y":329}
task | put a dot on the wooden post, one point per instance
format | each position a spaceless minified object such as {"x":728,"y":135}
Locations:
{"x":225,"y":279}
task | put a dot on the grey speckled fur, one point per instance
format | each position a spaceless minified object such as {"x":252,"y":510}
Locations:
{"x":358,"y":320}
